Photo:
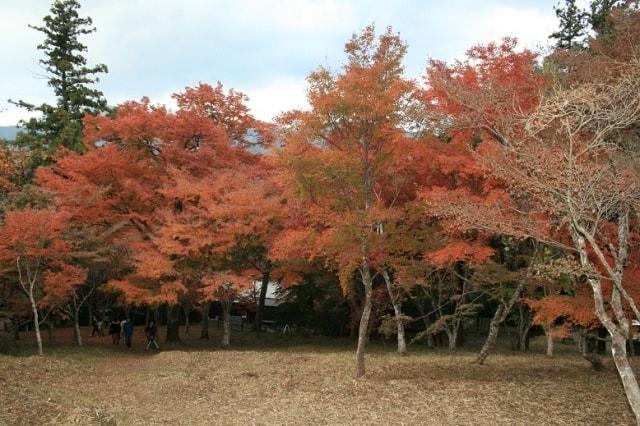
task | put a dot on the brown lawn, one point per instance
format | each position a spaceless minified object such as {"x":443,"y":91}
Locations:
{"x":276,"y":380}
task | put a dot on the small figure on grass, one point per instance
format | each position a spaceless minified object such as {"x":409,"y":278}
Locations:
{"x":114,"y":331}
{"x":150,"y":331}
{"x":97,"y":327}
{"x":127,"y":331}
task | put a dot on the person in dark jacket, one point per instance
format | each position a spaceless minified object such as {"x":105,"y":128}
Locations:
{"x":127,"y":332}
{"x":114,"y":331}
{"x":150,"y":331}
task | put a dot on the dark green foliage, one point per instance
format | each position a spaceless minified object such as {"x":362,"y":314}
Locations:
{"x":315,"y":305}
{"x":576,"y":23}
{"x":573,"y":29}
{"x":69,"y":77}
{"x":599,"y":10}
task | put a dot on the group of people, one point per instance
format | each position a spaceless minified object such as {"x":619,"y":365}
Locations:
{"x":124,"y":328}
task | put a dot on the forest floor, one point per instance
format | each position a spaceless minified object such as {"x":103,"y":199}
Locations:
{"x":289,"y":380}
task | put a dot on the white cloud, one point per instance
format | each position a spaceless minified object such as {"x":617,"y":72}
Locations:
{"x":531,"y":26}
{"x":279,"y":95}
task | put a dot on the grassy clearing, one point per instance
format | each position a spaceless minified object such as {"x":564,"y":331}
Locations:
{"x":276,"y":380}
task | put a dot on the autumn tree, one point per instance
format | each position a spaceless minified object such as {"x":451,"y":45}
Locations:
{"x":157,"y":181}
{"x":33,"y":244}
{"x":571,"y":184}
{"x":334,"y":155}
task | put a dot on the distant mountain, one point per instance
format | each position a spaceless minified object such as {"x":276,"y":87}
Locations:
{"x":8,"y":132}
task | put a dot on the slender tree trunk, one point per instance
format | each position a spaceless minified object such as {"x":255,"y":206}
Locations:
{"x":452,"y":337}
{"x":498,"y":318}
{"x":494,"y":326}
{"x":226,"y":324}
{"x":204,"y":326}
{"x":36,"y":323}
{"x":90,"y":307}
{"x":187,"y":323}
{"x":524,"y":326}
{"x":549,"y":336}
{"x":76,"y":328}
{"x":147,"y":316}
{"x":173,"y":323}
{"x":264,"y":286}
{"x":364,"y":320}
{"x":397,"y":309}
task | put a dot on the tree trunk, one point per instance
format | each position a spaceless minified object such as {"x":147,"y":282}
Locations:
{"x":524,"y":326}
{"x":629,"y":382}
{"x":496,"y":321}
{"x":618,"y":339}
{"x":173,"y":323}
{"x":364,"y":320}
{"x":266,"y":276}
{"x":187,"y":323}
{"x":547,"y":332}
{"x":36,"y":324}
{"x":226,"y":324}
{"x":494,"y":326}
{"x":204,"y":326}
{"x":397,"y":309}
{"x":452,"y":337}
{"x":76,"y":328}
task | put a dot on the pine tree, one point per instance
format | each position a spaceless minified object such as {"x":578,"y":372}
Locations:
{"x":573,"y":22}
{"x":71,"y":80}
{"x":600,"y":10}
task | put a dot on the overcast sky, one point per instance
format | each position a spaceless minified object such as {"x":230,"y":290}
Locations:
{"x":264,"y":48}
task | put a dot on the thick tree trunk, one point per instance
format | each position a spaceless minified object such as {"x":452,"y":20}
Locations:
{"x":264,"y":286}
{"x":36,"y":323}
{"x":618,"y":339}
{"x":226,"y":324}
{"x":397,"y":309}
{"x":173,"y":323}
{"x":364,"y":320}
{"x":629,"y":382}
{"x":204,"y":326}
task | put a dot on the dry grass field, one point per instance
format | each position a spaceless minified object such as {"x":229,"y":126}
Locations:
{"x":276,"y":380}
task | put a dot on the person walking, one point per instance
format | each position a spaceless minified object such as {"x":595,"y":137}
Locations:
{"x":114,"y":331}
{"x":96,"y":329}
{"x":150,"y":331}
{"x":127,"y":332}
